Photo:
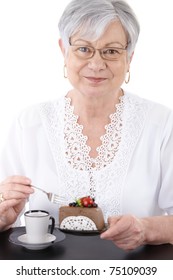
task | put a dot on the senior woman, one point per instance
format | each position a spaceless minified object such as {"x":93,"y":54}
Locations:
{"x":96,"y":139}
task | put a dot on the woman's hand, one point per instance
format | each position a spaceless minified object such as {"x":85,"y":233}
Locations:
{"x":14,"y":191}
{"x":127,"y":232}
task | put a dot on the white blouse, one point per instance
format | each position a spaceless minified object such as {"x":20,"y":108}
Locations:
{"x":132,"y":174}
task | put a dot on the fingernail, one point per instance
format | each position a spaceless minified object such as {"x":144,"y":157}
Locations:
{"x":101,"y":236}
{"x":28,"y":181}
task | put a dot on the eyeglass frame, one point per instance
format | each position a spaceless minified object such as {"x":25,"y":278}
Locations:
{"x":99,"y":50}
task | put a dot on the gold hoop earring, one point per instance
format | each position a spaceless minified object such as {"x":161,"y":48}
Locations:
{"x":127,"y":79}
{"x":65,"y":71}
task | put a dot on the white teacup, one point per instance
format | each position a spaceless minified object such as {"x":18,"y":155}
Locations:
{"x":37,"y":225}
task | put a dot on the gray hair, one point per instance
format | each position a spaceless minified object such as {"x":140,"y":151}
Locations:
{"x":91,"y":17}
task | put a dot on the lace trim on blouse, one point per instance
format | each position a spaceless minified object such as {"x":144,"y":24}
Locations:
{"x":76,"y":148}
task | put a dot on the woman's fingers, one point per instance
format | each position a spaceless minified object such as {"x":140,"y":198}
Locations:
{"x":11,"y":194}
{"x":16,"y":187}
{"x":17,"y":179}
{"x":126,"y":232}
{"x":14,"y":191}
{"x":17,"y":203}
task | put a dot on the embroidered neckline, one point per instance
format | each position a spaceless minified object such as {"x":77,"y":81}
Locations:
{"x":76,"y":148}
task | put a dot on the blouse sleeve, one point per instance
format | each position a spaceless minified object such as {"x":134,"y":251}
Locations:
{"x":11,"y":158}
{"x":166,"y":162}
{"x":11,"y":155}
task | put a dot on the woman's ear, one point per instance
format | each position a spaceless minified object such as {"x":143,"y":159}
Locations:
{"x":129,"y":61}
{"x":61,"y":46}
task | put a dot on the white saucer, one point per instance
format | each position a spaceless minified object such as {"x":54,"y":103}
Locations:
{"x":19,"y":238}
{"x":48,"y":238}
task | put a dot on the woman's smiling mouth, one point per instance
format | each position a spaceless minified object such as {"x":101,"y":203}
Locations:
{"x":96,"y":80}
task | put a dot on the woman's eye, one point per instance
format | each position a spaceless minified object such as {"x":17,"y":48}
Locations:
{"x":84,"y":49}
{"x":111,"y":51}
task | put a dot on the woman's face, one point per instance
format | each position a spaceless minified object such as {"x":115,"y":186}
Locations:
{"x":96,"y":76}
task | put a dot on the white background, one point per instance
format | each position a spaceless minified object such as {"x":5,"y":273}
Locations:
{"x":31,"y":64}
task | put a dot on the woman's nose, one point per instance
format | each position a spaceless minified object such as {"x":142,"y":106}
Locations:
{"x":96,"y":62}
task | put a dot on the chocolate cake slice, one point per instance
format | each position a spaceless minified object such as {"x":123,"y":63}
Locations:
{"x":81,"y":215}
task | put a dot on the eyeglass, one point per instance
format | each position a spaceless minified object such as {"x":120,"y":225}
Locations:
{"x":86,"y":52}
